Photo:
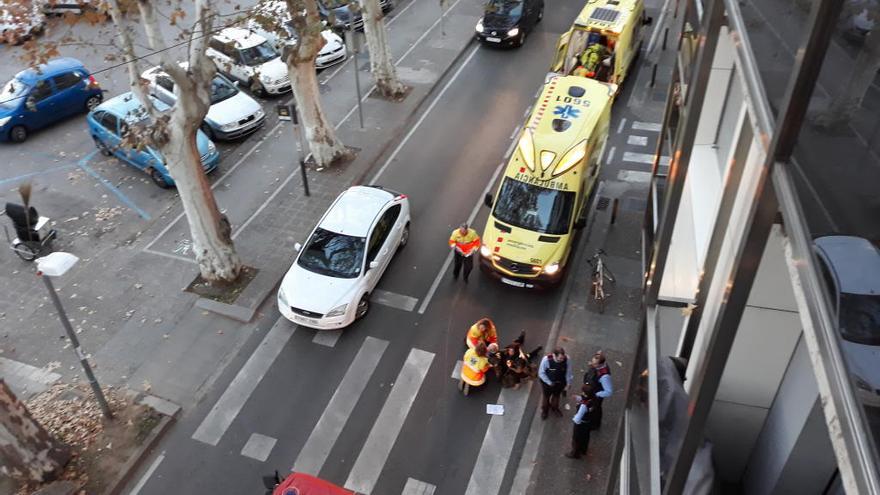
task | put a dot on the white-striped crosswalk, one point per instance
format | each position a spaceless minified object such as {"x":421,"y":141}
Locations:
{"x":370,"y":462}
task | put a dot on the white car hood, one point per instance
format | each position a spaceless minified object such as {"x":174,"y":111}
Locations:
{"x":233,"y":109}
{"x":315,"y":292}
{"x":273,"y":70}
{"x":333,"y":41}
{"x":864,"y":361}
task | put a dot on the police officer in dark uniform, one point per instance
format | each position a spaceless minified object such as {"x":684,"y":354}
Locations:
{"x":599,"y":378}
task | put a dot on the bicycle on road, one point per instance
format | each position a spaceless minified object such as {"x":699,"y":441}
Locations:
{"x":600,"y":275}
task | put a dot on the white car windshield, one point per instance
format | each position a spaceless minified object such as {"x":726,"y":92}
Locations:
{"x":12,"y":93}
{"x":332,"y":254}
{"x":258,"y":55}
{"x":221,"y":89}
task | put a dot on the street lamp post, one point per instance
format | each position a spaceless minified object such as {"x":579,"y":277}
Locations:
{"x":55,"y":265}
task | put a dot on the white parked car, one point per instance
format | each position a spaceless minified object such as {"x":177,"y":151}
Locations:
{"x":232,"y":114}
{"x":267,"y":14}
{"x":20,"y":21}
{"x":330,"y":282}
{"x":247,"y":57}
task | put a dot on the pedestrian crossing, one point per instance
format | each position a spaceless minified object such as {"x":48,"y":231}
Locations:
{"x":370,"y":462}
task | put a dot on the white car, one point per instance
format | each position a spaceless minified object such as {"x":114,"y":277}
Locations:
{"x":330,"y":282}
{"x":247,"y":57}
{"x":232,"y":113}
{"x":20,"y":21}
{"x":267,"y":14}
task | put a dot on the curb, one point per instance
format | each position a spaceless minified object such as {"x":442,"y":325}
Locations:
{"x":169,"y":412}
{"x":407,"y":121}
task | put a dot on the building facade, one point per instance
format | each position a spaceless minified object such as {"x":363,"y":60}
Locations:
{"x":758,"y":246}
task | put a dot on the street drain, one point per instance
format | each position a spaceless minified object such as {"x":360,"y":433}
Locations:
{"x":603,"y":203}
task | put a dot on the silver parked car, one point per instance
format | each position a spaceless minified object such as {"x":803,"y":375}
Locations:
{"x":232,"y":114}
{"x":851,"y":268}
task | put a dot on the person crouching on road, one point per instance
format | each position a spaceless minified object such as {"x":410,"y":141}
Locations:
{"x":583,"y":419}
{"x":465,"y":242}
{"x":482,"y":331}
{"x":555,"y":374}
{"x":475,"y":366}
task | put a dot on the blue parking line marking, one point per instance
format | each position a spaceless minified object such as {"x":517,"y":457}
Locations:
{"x":21,"y":177}
{"x":83,"y":164}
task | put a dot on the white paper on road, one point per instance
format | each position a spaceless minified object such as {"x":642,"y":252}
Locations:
{"x":495,"y":409}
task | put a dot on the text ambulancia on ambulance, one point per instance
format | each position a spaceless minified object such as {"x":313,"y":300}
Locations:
{"x":543,"y":193}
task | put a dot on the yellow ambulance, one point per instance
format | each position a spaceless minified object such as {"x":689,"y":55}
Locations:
{"x":542,"y":197}
{"x":603,"y":41}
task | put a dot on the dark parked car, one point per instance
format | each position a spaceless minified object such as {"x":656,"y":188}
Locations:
{"x":337,"y":15}
{"x":508,"y":22}
{"x":38,"y":97}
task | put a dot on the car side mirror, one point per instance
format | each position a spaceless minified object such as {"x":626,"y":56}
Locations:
{"x":374,"y":264}
{"x":235,"y":83}
{"x":297,"y":247}
{"x":580,"y":223}
{"x":487,"y":200}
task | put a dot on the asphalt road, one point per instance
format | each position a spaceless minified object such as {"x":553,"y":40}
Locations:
{"x":326,"y":407}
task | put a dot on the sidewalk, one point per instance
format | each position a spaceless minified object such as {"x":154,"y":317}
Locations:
{"x":135,"y":322}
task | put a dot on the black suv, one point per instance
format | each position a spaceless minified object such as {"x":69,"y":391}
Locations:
{"x":507,"y":22}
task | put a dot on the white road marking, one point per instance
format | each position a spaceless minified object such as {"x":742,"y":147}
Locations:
{"x":488,"y":472}
{"x":634,"y":176}
{"x":448,"y":261}
{"x":146,"y":477}
{"x":646,"y":126}
{"x":258,"y":447}
{"x":233,"y":399}
{"x":637,"y":140}
{"x":509,"y":150}
{"x":610,"y":155}
{"x":393,"y":300}
{"x":629,"y":156}
{"x":327,"y":338}
{"x":373,"y":87}
{"x":371,"y":460}
{"x":512,"y":135}
{"x":325,"y":433}
{"x":528,"y":109}
{"x":416,"y":487}
{"x":170,"y":256}
{"x":423,"y":116}
{"x":456,"y":372}
{"x":621,"y":125}
{"x":265,"y":203}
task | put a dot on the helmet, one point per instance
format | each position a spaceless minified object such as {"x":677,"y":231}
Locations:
{"x":593,"y":38}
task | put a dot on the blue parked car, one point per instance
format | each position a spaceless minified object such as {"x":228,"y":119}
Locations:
{"x":112,"y":120}
{"x":40,"y":96}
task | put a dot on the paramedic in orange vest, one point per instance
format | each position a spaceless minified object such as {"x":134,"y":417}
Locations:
{"x":465,"y":242}
{"x":482,"y":331}
{"x":475,"y":366}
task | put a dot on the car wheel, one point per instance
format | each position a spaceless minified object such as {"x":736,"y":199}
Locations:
{"x":363,"y":307}
{"x":522,"y":39}
{"x":404,"y":237}
{"x":102,"y":147}
{"x":208,"y":131}
{"x":541,"y":14}
{"x":159,"y":179}
{"x":257,"y":88}
{"x":18,"y":134}
{"x":92,"y":102}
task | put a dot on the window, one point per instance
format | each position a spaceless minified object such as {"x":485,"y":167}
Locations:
{"x":66,"y":80}
{"x":41,"y":91}
{"x":332,"y":254}
{"x":860,"y":319}
{"x":165,"y":83}
{"x":380,"y":233}
{"x":107,"y":121}
{"x":221,"y":89}
{"x":258,"y":55}
{"x":535,"y":208}
{"x":12,"y":93}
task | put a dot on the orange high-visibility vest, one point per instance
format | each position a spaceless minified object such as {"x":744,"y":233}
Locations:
{"x":467,"y":243}
{"x":474,"y":367}
{"x":474,"y":335}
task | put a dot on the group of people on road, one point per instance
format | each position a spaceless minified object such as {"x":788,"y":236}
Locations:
{"x":556,"y":375}
{"x":512,"y":365}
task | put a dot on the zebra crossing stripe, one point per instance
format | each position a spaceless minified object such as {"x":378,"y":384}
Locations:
{"x":416,"y":487}
{"x":371,"y":460}
{"x":491,"y":465}
{"x":325,"y":433}
{"x":646,"y":126}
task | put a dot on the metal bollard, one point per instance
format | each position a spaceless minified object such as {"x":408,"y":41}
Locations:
{"x":653,"y":75}
{"x":614,"y":204}
{"x":665,"y":35}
